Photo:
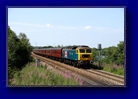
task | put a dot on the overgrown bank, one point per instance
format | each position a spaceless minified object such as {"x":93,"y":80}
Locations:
{"x":112,"y":68}
{"x":31,"y":75}
{"x":19,"y":52}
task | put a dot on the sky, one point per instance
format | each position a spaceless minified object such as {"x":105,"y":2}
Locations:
{"x":69,"y":26}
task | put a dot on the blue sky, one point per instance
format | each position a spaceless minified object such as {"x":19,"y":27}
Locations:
{"x":69,"y":26}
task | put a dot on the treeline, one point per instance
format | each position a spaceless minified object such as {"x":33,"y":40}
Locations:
{"x":111,"y":55}
{"x":19,"y":51}
{"x":39,"y":47}
{"x":49,"y":46}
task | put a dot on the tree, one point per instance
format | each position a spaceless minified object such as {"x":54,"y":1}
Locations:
{"x":114,"y":54}
{"x":13,"y":46}
{"x":19,"y":50}
{"x":94,"y":54}
{"x":25,"y":42}
{"x":120,"y":52}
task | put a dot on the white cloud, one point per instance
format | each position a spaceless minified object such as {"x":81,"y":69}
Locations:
{"x":48,"y":27}
{"x":87,"y":27}
{"x":31,"y":25}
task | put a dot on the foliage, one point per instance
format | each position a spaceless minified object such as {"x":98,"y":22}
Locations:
{"x":39,"y":47}
{"x":31,"y":75}
{"x":113,"y":54}
{"x":110,"y":68}
{"x":116,"y":70}
{"x":94,"y":53}
{"x":19,"y":51}
{"x":27,"y":46}
{"x":113,"y":60}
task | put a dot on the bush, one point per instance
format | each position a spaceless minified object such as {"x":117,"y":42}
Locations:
{"x":31,"y":75}
{"x":19,"y":51}
{"x":110,"y":68}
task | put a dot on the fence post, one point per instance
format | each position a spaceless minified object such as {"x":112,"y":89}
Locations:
{"x":37,"y":62}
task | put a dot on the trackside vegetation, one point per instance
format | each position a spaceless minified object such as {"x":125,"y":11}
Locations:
{"x":113,"y":60}
{"x":109,"y":68}
{"x":32,"y":75}
{"x":19,"y":52}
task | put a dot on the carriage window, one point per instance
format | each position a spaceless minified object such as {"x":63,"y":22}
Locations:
{"x":82,"y":51}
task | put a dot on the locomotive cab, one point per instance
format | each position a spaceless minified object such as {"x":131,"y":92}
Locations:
{"x":84,"y":55}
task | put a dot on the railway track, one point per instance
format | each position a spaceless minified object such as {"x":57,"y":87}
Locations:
{"x":109,"y":76}
{"x":86,"y":81}
{"x":64,"y":67}
{"x":91,"y":76}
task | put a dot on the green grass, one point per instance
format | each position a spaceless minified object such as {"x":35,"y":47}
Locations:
{"x":31,"y":75}
{"x":119,"y":70}
{"x":109,"y":68}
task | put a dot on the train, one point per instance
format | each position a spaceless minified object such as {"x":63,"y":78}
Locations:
{"x":76,"y":56}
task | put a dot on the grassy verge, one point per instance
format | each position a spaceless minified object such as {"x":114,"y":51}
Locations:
{"x":31,"y":75}
{"x":110,"y":68}
{"x":118,"y":70}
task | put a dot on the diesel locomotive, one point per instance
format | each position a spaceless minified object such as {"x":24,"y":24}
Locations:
{"x":80,"y":55}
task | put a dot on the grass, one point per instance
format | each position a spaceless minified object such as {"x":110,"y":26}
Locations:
{"x":118,"y":70}
{"x":31,"y":75}
{"x":111,"y":68}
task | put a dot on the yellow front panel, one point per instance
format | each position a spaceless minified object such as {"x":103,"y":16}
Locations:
{"x":80,"y":55}
{"x":85,"y":59}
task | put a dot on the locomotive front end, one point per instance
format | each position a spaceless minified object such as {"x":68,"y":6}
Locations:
{"x":84,"y":56}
